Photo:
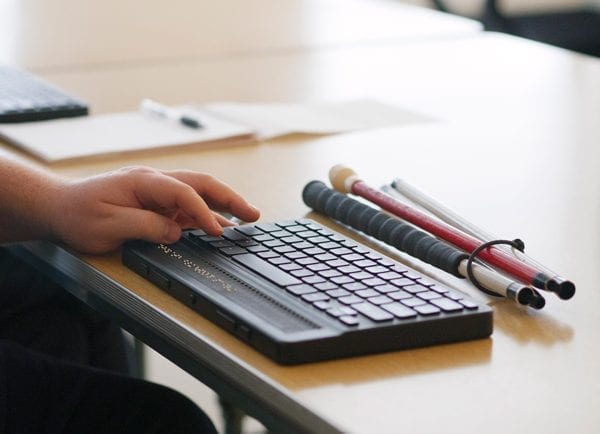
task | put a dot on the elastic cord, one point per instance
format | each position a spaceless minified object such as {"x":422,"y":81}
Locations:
{"x":516,"y":243}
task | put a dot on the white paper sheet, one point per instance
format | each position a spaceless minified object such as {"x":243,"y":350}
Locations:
{"x":276,"y":119}
{"x":64,"y":139}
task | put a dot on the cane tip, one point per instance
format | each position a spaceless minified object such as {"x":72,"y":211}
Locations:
{"x":342,"y":177}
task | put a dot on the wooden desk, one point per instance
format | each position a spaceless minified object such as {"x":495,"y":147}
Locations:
{"x":513,"y":146}
{"x":67,"y":33}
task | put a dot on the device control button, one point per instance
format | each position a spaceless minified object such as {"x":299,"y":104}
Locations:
{"x":225,"y":321}
{"x":244,"y":332}
{"x":159,"y":279}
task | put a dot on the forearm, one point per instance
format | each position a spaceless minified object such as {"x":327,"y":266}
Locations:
{"x":29,"y":197}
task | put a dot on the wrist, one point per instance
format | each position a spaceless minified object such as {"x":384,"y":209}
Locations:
{"x":55,"y":206}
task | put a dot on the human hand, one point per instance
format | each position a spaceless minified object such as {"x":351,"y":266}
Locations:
{"x":98,"y":214}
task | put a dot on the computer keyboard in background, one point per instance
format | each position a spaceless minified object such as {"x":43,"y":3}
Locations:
{"x":334,"y":274}
{"x":25,"y":97}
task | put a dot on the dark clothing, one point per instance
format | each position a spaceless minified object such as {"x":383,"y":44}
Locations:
{"x":63,"y":368}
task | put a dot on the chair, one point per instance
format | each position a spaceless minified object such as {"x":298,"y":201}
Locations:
{"x":577,"y":30}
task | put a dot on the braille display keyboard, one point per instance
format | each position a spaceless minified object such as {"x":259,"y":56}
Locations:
{"x":300,"y":292}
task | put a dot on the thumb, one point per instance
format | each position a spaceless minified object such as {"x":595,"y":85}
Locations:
{"x":133,"y":223}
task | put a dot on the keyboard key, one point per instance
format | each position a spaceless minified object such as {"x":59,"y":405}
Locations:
{"x":347,"y":310}
{"x":361,"y":275}
{"x":349,"y":320}
{"x":286,"y":224}
{"x":283,"y":249}
{"x":337,"y":293}
{"x":439,"y":289}
{"x":412,"y":302}
{"x":381,"y":299}
{"x":268,"y":254}
{"x":233,"y":235}
{"x":262,"y":237}
{"x":301,"y":289}
{"x":355,"y":286}
{"x":319,"y":240}
{"x":325,"y":286}
{"x":349,"y":269}
{"x":257,"y":248}
{"x":313,"y":297}
{"x":447,"y":305}
{"x":415,"y":289}
{"x":318,"y":267}
{"x":352,"y":257}
{"x":266,"y":270}
{"x":372,"y":312}
{"x":366,"y":293}
{"x":341,"y":251}
{"x":373,"y":282}
{"x":307,"y":234}
{"x":427,"y":309}
{"x":335,"y":312}
{"x":337,"y":263}
{"x":266,"y":227}
{"x":468,"y":304}
{"x":314,"y":251}
{"x":350,"y":299}
{"x":295,"y":228}
{"x":429,"y":295}
{"x":329,"y":273}
{"x":295,"y":255}
{"x":302,"y":246}
{"x":248,"y":242}
{"x":399,"y":310}
{"x":325,"y":257}
{"x":279,"y":260}
{"x":412,"y":275}
{"x":340,"y":280}
{"x":453,"y":295}
{"x":249,"y":230}
{"x":400,"y":295}
{"x":235,"y":250}
{"x":313,"y":279}
{"x":307,"y":261}
{"x":403,"y":281}
{"x":324,"y":232}
{"x":290,"y":267}
{"x":365,"y":263}
{"x":385,"y":288}
{"x":302,"y":272}
{"x":377,"y":269}
{"x":323,"y":305}
{"x":274,"y":243}
{"x":293,"y":239}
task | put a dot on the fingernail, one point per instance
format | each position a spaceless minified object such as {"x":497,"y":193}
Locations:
{"x":172,"y":233}
{"x":217,"y":228}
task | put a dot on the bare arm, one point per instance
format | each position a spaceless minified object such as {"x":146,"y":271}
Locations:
{"x":98,"y":214}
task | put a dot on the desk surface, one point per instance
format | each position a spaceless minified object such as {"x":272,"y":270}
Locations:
{"x":513,"y":146}
{"x":68,"y":33}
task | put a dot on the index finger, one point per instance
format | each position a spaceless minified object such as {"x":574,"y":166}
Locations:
{"x":157,"y":189}
{"x":218,"y":195}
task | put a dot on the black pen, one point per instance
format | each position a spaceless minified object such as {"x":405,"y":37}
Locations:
{"x":157,"y":109}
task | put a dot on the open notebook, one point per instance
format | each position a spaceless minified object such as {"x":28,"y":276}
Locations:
{"x":223,"y":124}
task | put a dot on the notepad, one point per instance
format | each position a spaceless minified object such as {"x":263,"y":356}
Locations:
{"x":224,"y":123}
{"x":115,"y":133}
